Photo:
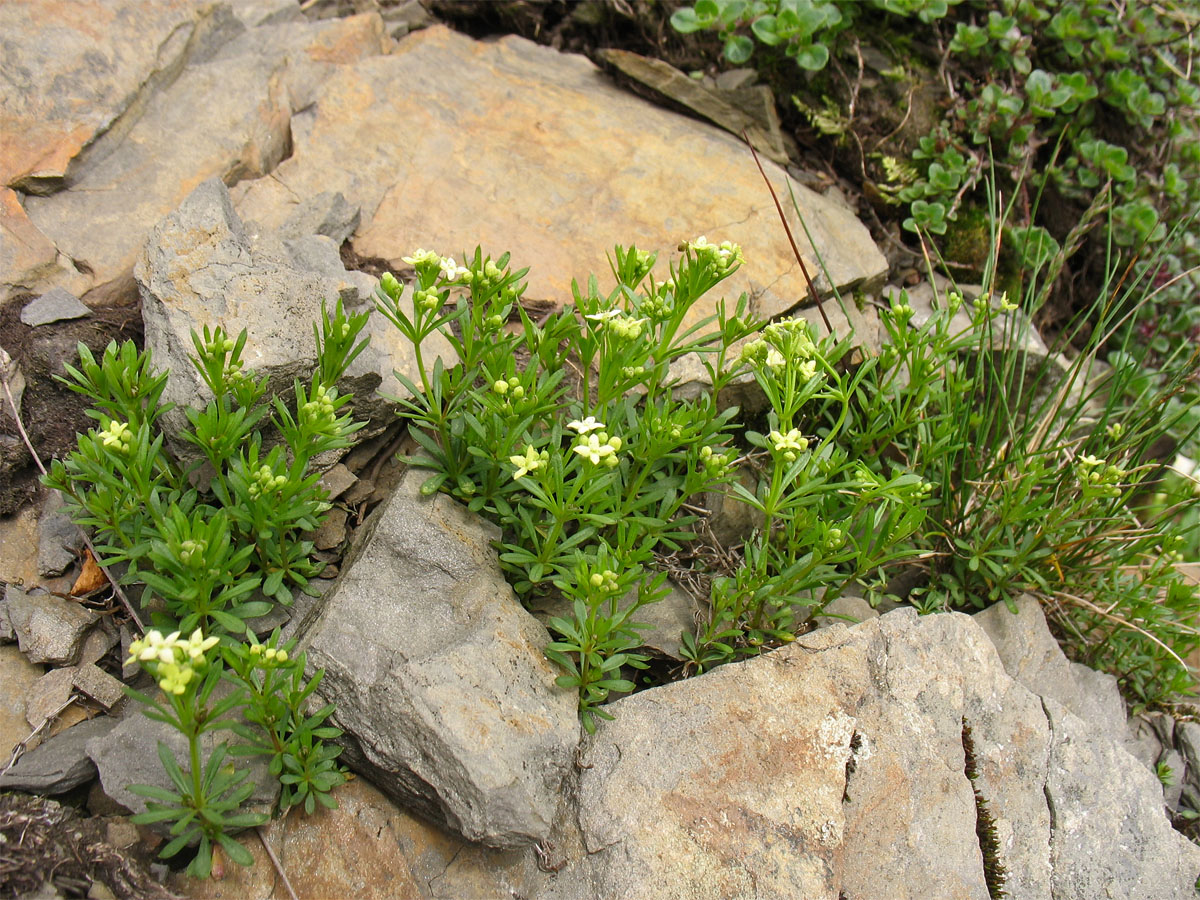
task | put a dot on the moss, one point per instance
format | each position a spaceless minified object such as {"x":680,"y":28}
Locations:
{"x":994,"y":873}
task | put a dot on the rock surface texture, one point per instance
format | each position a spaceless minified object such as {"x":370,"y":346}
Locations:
{"x":837,"y":766}
{"x":439,"y":678}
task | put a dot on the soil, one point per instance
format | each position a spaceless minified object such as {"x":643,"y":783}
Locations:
{"x":52,"y":414}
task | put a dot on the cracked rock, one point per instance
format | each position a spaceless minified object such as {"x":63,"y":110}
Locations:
{"x":439,"y":677}
{"x":49,"y":629}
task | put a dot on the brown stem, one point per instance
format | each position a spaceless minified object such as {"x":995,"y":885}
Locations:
{"x":812,"y":289}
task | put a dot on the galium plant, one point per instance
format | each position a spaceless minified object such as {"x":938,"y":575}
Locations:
{"x":203,"y":687}
{"x":595,"y":479}
{"x":206,"y":552}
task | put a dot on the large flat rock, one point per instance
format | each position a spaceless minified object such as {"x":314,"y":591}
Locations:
{"x":449,"y":142}
{"x":838,"y":767}
{"x":226,"y":114}
{"x":439,"y":676}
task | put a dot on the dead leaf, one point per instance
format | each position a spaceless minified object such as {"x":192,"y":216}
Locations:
{"x":92,"y":578}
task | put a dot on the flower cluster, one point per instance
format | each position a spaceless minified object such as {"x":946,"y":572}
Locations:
{"x":320,"y":409}
{"x":510,"y":388}
{"x":604,"y":581}
{"x":722,"y":257}
{"x":265,"y":481}
{"x":790,"y":444}
{"x":531,"y":461}
{"x":116,"y":436}
{"x":715,"y":464}
{"x":172,"y":660}
{"x":1099,"y":476}
{"x":594,"y":444}
{"x":268,"y":657}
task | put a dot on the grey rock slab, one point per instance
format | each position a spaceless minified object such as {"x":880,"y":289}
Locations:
{"x":337,"y":480}
{"x":59,"y":539}
{"x":1033,"y":657}
{"x":227,"y":115}
{"x":56,"y":305}
{"x":1187,"y":740}
{"x":72,"y":70}
{"x":47,"y":696}
{"x":835,"y":764}
{"x":1173,"y":788}
{"x":328,"y":214}
{"x":439,"y":677}
{"x":128,"y":755}
{"x":201,"y":269}
{"x":848,"y":609}
{"x":49,"y":629}
{"x":59,"y":763}
{"x":99,"y":685}
{"x":714,"y":105}
{"x":600,"y":178}
{"x":1110,"y":833}
{"x":18,"y":676}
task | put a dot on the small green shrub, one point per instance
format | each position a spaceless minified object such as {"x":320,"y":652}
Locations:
{"x":593,"y":481}
{"x":204,"y":553}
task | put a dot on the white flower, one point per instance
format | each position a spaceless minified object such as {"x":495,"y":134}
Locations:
{"x":595,"y":447}
{"x":775,"y":359}
{"x":808,"y":369}
{"x":586,"y":425}
{"x":793,"y":440}
{"x":451,"y":270}
{"x":530,"y":462}
{"x":603,"y":316}
{"x":197,"y":645}
{"x":420,"y":257}
{"x":117,"y":435}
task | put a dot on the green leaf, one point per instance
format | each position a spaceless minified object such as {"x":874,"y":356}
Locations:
{"x":814,"y":57}
{"x":738,"y":49}
{"x":685,"y":20}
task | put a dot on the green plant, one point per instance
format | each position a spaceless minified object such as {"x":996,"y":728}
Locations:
{"x":1164,"y":773}
{"x":268,"y":688}
{"x":205,"y":553}
{"x":593,"y":481}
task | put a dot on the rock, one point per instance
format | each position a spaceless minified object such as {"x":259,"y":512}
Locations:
{"x":48,"y":695}
{"x":438,"y":675}
{"x":18,"y":548}
{"x":1032,"y":656}
{"x":327,"y":214}
{"x":1176,"y":773}
{"x":715,"y":105}
{"x":1110,"y":836}
{"x":848,"y":609}
{"x":233,"y":102}
{"x":368,"y":847}
{"x":18,"y":676}
{"x":99,"y":685}
{"x":332,"y":531}
{"x":254,"y":13}
{"x":29,"y":261}
{"x":1187,"y":740}
{"x":337,"y":481}
{"x":1143,"y":742}
{"x":59,"y":539}
{"x":837,"y":766}
{"x":666,"y":620}
{"x":56,"y":305}
{"x":58,"y":764}
{"x":49,"y":629}
{"x":399,"y":154}
{"x":406,"y":16}
{"x":65,"y":87}
{"x":128,"y":755}
{"x":201,"y":268}
{"x":736,"y":79}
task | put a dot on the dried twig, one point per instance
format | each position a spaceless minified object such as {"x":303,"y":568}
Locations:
{"x":812,"y":288}
{"x":262,"y":836}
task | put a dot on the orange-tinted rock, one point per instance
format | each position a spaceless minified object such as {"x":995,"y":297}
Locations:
{"x":449,"y":143}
